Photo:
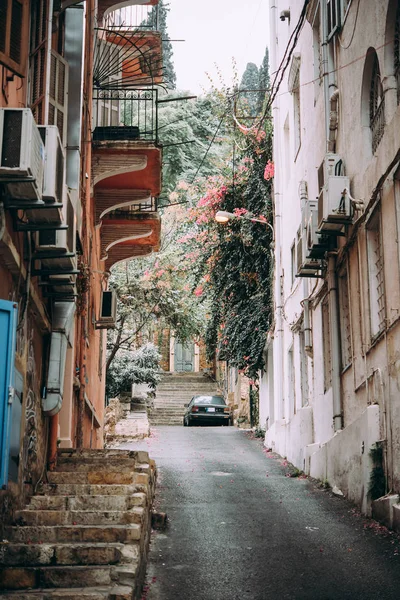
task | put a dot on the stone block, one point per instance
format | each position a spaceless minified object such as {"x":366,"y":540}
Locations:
{"x":76,"y":576}
{"x":17,"y":578}
{"x":382,"y":509}
{"x":396,"y":517}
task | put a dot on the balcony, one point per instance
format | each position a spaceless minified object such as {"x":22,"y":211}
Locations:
{"x":127,"y":233}
{"x":107,"y":8}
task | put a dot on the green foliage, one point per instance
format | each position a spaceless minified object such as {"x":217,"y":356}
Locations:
{"x":168,"y":64}
{"x":250,"y":81}
{"x":193,"y":121}
{"x":264,"y":81}
{"x":128,"y":367}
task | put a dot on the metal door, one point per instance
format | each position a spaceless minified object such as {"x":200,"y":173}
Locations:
{"x":8,"y":328}
{"x":184,"y":357}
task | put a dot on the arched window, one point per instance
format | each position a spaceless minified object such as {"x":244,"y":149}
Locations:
{"x":376,"y":104}
{"x":396,"y":50}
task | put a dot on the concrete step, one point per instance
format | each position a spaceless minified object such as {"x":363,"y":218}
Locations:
{"x":97,"y":593}
{"x":32,"y":555}
{"x":18,"y":578}
{"x":53,"y":518}
{"x":93,"y":503}
{"x":73,"y":489}
{"x":98,"y":477}
{"x":125,"y":534}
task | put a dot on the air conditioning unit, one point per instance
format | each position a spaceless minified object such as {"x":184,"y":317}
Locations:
{"x":21,"y":154}
{"x":53,"y":181}
{"x":108,"y":310}
{"x":334,"y":206}
{"x":59,"y":245}
{"x":311,"y":246}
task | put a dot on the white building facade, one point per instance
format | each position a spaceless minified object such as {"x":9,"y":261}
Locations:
{"x":330,"y":393}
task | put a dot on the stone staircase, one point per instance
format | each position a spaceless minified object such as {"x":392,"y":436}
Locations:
{"x":174,"y":391}
{"x":86,"y":534}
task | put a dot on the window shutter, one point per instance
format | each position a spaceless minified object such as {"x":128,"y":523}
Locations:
{"x":39,"y":61}
{"x":58,"y":94}
{"x":13,"y":34}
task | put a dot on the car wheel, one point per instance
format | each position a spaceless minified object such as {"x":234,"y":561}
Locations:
{"x":184,"y":422}
{"x":189,"y":423}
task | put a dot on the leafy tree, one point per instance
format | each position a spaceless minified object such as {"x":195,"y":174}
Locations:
{"x":139,"y":366}
{"x":264,"y":81}
{"x":185,"y":130}
{"x":250,"y":81}
{"x":168,"y":64}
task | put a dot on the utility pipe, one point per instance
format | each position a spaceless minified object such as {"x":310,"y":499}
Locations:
{"x":333,"y":120}
{"x":334,"y":343}
{"x":305,"y":303}
{"x":278,"y":292}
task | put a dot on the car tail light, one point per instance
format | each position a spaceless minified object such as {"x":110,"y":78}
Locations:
{"x":195,"y":409}
{"x":227,"y":409}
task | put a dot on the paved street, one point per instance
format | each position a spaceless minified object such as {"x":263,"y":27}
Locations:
{"x":240,"y":528}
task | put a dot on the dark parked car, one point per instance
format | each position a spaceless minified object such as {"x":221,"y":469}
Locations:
{"x":207,"y":409}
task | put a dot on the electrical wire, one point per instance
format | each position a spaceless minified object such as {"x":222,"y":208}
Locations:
{"x":352,"y":34}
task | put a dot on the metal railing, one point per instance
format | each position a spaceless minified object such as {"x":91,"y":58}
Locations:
{"x":378,"y":125}
{"x":131,"y":211}
{"x":120,"y":114}
{"x":132,"y":18}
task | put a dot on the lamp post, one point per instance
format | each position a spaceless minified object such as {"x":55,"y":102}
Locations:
{"x":222,"y":216}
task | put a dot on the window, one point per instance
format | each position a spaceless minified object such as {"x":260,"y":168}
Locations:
{"x":326,"y":344}
{"x":303,"y":369}
{"x":345,"y":323}
{"x":317,"y":48}
{"x":291,"y":383}
{"x":292,"y":263}
{"x":375,"y":275}
{"x":13,"y":34}
{"x":294,"y":88}
{"x":376,"y":105}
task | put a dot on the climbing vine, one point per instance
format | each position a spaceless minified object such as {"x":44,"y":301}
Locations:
{"x":232,"y":263}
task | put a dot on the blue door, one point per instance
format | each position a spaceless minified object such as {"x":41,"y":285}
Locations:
{"x":8,"y":329}
{"x":184,"y":357}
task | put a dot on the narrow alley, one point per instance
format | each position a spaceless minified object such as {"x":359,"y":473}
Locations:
{"x":240,"y":528}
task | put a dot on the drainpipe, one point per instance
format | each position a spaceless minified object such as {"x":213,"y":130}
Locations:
{"x":335,"y":343}
{"x":278,"y":292}
{"x":306,"y":302}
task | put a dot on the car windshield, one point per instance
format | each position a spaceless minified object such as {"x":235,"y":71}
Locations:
{"x":209,"y":400}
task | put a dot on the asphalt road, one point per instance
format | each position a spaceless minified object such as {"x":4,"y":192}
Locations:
{"x":241,"y":529}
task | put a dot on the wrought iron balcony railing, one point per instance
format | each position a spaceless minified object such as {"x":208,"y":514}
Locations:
{"x":124,"y":115}
{"x":378,"y":125}
{"x":132,"y":18}
{"x":132,"y":211}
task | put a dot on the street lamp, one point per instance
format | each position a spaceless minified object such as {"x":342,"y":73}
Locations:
{"x":222,"y":216}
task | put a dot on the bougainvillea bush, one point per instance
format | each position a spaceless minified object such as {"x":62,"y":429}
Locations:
{"x":232,"y":263}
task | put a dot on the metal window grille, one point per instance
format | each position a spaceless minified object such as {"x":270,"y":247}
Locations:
{"x":376,"y":105}
{"x":326,"y":343}
{"x":397,"y":50}
{"x":376,"y":275}
{"x":303,"y":370}
{"x":345,"y":322}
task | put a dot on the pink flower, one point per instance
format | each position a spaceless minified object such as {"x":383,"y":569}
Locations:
{"x":269,"y":170}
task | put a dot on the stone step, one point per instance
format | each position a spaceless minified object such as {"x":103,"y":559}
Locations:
{"x":101,"y":455}
{"x":77,"y":489}
{"x":52,"y":518}
{"x":125,"y":534}
{"x":20,"y":578}
{"x":98,"y":477}
{"x":92,"y":503}
{"x":32,"y":555}
{"x":67,"y":464}
{"x":97,"y":593}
